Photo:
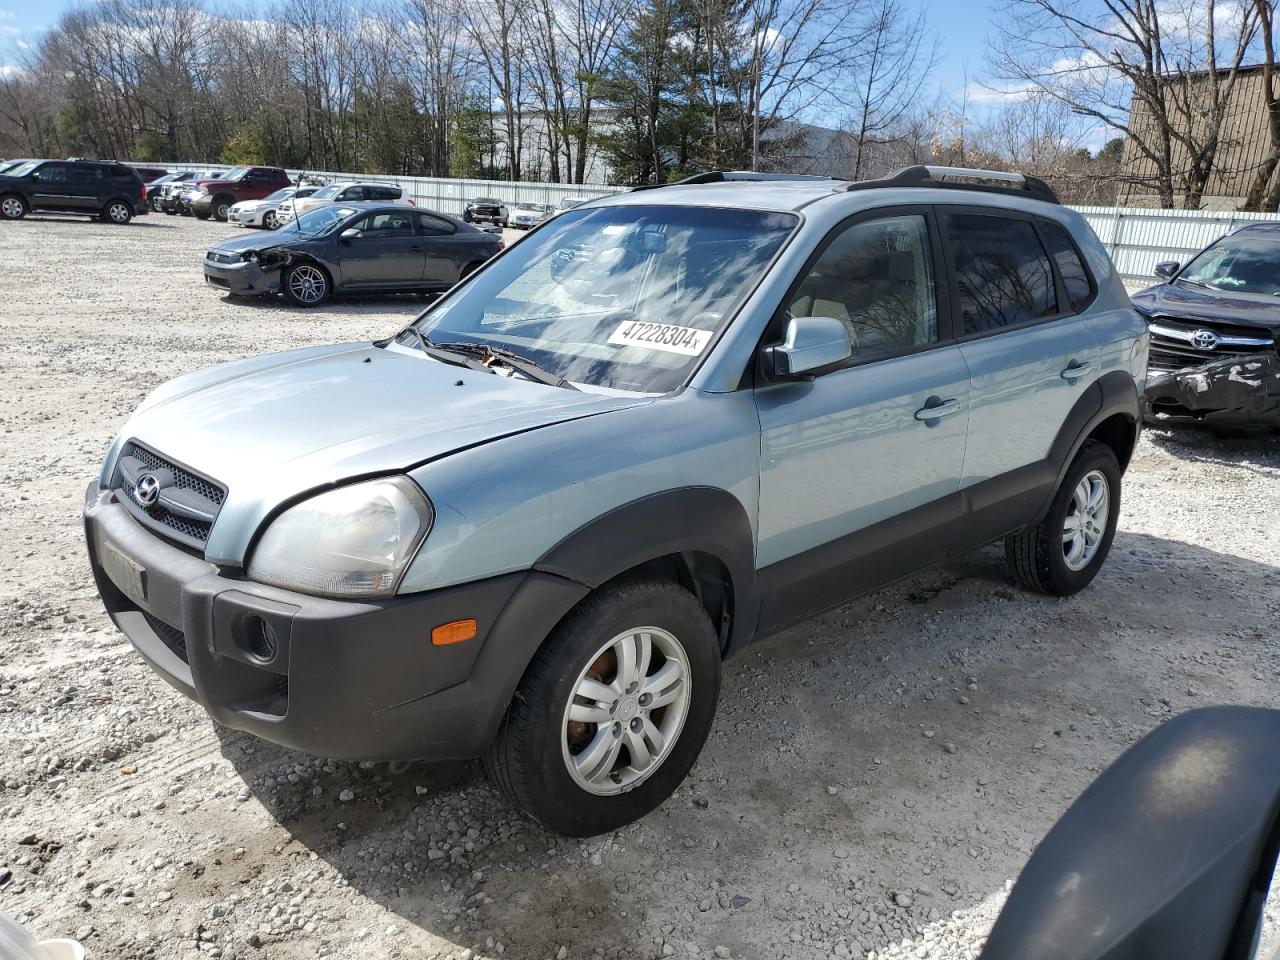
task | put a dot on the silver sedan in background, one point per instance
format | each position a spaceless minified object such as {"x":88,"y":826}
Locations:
{"x":266,"y":212}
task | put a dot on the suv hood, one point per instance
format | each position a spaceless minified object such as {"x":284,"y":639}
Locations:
{"x":1182,"y":301}
{"x":273,"y":428}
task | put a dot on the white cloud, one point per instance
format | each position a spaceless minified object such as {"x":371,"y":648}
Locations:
{"x":6,"y":14}
{"x":9,"y":70}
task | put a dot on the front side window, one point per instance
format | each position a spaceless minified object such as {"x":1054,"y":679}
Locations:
{"x":1003,"y":274}
{"x":1238,"y":264}
{"x":52,"y":173}
{"x":385,"y":225}
{"x":876,"y":277}
{"x":352,"y":194}
{"x":623,"y":297}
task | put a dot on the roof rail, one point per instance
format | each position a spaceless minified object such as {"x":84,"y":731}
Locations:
{"x":991,"y":181}
{"x":727,"y":176}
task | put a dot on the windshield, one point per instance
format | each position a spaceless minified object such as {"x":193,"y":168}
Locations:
{"x":235,"y":173}
{"x":317,"y":221}
{"x":281,"y":194}
{"x":484,"y":200}
{"x":628,"y":298}
{"x":20,"y":171}
{"x":327,"y":193}
{"x":1239,"y":264}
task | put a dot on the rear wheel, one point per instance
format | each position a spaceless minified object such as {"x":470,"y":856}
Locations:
{"x":306,"y":285}
{"x":1065,"y":551}
{"x":612,"y":712}
{"x":12,"y":207}
{"x":117,"y":211}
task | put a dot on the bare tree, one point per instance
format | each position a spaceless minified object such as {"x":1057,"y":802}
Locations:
{"x":1264,"y":191}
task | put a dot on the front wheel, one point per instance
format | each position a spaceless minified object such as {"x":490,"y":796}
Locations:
{"x":612,"y":712}
{"x":270,"y":220}
{"x":305,"y":285}
{"x":12,"y":207}
{"x":117,"y":211}
{"x":1065,"y":551}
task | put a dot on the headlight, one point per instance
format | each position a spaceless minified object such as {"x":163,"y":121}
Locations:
{"x":354,"y":541}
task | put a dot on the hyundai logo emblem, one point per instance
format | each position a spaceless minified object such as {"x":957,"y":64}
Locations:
{"x":147,"y":489}
{"x":1205,"y":339}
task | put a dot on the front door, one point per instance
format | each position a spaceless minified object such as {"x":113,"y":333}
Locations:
{"x":1030,"y":354}
{"x":51,"y":187}
{"x":861,"y":467}
{"x":384,"y":252}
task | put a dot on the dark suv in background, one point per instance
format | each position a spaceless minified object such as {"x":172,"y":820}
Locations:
{"x":111,"y":191}
{"x":214,"y":198}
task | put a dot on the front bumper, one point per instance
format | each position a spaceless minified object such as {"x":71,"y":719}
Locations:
{"x":1235,"y":392}
{"x":201,"y":206}
{"x":350,"y":680}
{"x":246,"y":279}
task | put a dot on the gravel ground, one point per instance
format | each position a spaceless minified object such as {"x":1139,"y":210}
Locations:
{"x":874,"y":780}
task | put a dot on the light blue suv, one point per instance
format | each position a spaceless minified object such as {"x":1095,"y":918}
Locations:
{"x":533,"y":524}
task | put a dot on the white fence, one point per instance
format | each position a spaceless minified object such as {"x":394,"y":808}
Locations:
{"x":1137,"y":238}
{"x":446,"y":195}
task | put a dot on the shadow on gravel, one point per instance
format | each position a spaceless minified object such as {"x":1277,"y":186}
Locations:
{"x":363,"y":303}
{"x":870,"y":772}
{"x":85,"y":218}
{"x":1202,"y":445}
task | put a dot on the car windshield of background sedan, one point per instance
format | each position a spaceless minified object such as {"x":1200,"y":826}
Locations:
{"x":1237,"y":265}
{"x":327,"y":193}
{"x":316,"y":222}
{"x":625,"y":298}
{"x":284,"y":193}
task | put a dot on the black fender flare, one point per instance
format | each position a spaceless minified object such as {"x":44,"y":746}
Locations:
{"x":1115,"y":392}
{"x":693,"y":519}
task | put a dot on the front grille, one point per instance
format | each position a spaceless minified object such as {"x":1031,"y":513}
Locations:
{"x":187,"y":504}
{"x":218,"y":281}
{"x":170,"y":636}
{"x":1172,"y":348}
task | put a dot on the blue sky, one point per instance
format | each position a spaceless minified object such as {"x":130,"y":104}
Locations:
{"x":960,"y":25}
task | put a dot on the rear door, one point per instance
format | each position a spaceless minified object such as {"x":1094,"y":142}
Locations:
{"x":1030,"y":353}
{"x":385,"y":253}
{"x":87,"y":185}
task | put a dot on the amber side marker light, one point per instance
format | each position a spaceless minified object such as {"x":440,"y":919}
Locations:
{"x":454,"y":632}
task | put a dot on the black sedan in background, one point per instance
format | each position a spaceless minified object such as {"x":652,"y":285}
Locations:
{"x":1215,"y":326}
{"x":349,"y":248}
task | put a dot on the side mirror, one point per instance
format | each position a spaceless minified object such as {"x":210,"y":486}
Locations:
{"x":1169,"y":853}
{"x":812,"y":346}
{"x":351,"y":233}
{"x":1167,"y":268}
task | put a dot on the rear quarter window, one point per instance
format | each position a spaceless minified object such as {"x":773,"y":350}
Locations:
{"x":1075,"y":276}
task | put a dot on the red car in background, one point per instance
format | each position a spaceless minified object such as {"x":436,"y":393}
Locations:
{"x":214,"y":198}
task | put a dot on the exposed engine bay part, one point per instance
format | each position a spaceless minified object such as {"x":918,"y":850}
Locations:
{"x":1236,"y":392}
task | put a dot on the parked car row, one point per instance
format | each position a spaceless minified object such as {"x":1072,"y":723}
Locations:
{"x":525,"y":216}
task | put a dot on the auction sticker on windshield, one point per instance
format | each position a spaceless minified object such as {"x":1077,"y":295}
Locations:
{"x":662,"y":336}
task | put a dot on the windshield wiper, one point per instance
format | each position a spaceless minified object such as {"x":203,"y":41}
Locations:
{"x":491,"y":355}
{"x":435,"y":352}
{"x":1198,"y":283}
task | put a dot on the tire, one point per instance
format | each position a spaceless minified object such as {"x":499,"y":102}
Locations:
{"x":1041,"y":558}
{"x":170,"y":212}
{"x":537,"y":744}
{"x":270,"y":221}
{"x":198,"y":216}
{"x":13,"y":207}
{"x":117,"y":212}
{"x":306,"y":284}
{"x":220,"y":207}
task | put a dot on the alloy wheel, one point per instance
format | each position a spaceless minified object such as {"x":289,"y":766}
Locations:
{"x":1086,"y":520}
{"x":626,"y":711}
{"x":118,"y":213}
{"x":307,"y":284}
{"x":269,"y":220}
{"x":11,"y":208}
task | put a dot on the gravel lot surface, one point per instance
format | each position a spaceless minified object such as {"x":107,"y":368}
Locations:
{"x":874,"y":777}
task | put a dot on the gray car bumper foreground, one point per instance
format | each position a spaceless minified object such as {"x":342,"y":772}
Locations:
{"x":351,"y":680}
{"x":243,"y":279}
{"x":1235,"y":392}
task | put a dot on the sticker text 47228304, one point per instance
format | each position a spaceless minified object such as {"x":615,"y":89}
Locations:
{"x":662,"y":336}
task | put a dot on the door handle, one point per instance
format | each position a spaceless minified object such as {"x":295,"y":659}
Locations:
{"x":1076,"y":371}
{"x":934,"y":411}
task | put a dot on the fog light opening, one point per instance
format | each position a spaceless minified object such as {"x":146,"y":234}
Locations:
{"x":260,"y":637}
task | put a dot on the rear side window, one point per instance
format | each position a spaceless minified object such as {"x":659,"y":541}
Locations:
{"x":1074,"y":275}
{"x":434,"y":226}
{"x":1002,"y":272}
{"x":382,"y":193}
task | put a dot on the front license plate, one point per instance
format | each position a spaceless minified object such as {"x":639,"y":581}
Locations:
{"x":129,"y":576}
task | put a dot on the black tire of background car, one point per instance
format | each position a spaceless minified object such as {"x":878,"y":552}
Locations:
{"x":198,"y":216}
{"x":124,"y":215}
{"x":525,"y":761}
{"x":6,"y":207}
{"x":287,"y":275}
{"x":1034,"y":555}
{"x":221,"y":206}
